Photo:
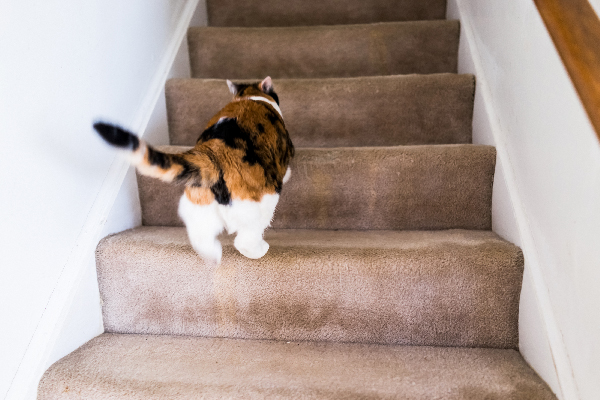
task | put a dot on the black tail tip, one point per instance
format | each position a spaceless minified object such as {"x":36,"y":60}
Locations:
{"x":117,"y":136}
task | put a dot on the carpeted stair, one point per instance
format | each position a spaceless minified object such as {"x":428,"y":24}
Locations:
{"x":383,"y":279}
{"x":143,"y":367}
{"x":367,"y":111}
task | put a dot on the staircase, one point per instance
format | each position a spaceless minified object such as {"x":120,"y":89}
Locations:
{"x":383,"y":279}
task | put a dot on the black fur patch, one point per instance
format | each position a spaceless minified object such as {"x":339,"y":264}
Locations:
{"x":273,"y":116}
{"x":274,"y":96}
{"x":277,"y":183}
{"x":190,"y":172}
{"x":159,"y":159}
{"x":221,"y":191}
{"x":235,"y":137}
{"x":241,"y":87}
{"x":227,"y":130}
{"x":117,"y":136}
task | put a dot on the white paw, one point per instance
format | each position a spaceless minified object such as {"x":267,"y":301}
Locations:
{"x":210,"y":252}
{"x":251,"y":250}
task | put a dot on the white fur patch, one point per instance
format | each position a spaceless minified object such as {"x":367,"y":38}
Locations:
{"x":247,"y":218}
{"x":288,"y":175}
{"x":203,"y":224}
{"x":231,"y":87}
{"x":242,"y":214}
{"x":260,"y":98}
{"x":135,"y":157}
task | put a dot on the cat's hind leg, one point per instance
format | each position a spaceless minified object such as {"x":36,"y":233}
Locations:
{"x":203,"y":223}
{"x":250,"y":243}
{"x":250,"y":219}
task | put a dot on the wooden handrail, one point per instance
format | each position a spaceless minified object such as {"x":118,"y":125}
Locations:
{"x":575,"y":30}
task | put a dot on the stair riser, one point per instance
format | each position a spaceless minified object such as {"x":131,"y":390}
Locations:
{"x":324,"y":52}
{"x":449,"y":294}
{"x":375,"y":111}
{"x":396,"y":188}
{"x":318,"y":12}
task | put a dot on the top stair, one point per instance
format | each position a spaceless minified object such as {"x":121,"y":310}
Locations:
{"x":261,"y":13}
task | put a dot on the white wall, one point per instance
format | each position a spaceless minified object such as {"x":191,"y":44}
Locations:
{"x":64,"y":64}
{"x":84,"y":318}
{"x":595,"y":5}
{"x":547,"y":186}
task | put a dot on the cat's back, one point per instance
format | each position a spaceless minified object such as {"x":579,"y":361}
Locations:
{"x":251,"y":145}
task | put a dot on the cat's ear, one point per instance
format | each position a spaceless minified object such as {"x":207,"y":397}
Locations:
{"x":266,"y":85}
{"x":232,"y":87}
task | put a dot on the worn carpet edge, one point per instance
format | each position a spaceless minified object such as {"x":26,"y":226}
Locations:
{"x":390,"y":48}
{"x":332,"y":112}
{"x":113,"y":366}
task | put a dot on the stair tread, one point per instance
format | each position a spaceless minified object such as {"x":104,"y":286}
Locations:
{"x":450,"y":288}
{"x":389,"y":48}
{"x":169,"y":367}
{"x":397,"y":188}
{"x":367,"y":111}
{"x":318,"y":12}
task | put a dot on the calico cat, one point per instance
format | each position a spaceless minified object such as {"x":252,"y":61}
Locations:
{"x":232,"y":177}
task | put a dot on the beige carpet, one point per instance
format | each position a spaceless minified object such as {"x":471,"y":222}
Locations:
{"x":183,"y":368}
{"x":370,"y":111}
{"x":423,"y":47}
{"x":443,"y":288}
{"x":319,"y":12}
{"x":381,"y":244}
{"x":405,"y":187}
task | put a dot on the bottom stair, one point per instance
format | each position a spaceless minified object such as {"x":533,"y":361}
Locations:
{"x":146,"y":367}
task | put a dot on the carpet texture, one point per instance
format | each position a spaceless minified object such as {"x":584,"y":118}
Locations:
{"x":402,"y":187}
{"x":179,"y":368}
{"x":446,"y":288}
{"x":381,"y":243}
{"x":369,"y":111}
{"x":324,"y":51}
{"x":254,"y":13}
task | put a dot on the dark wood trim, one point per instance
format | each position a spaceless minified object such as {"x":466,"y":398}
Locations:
{"x":575,"y":30}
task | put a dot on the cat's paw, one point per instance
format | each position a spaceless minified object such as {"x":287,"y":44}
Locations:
{"x":211,"y":253}
{"x":251,"y":250}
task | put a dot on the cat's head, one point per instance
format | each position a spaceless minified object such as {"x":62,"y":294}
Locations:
{"x":264,"y":88}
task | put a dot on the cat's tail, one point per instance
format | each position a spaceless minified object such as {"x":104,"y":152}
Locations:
{"x":149,"y":161}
